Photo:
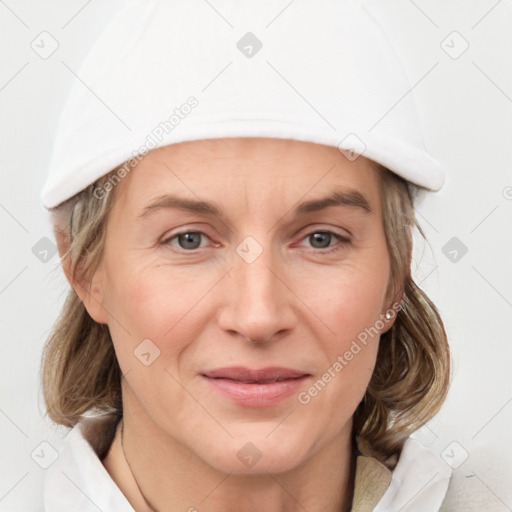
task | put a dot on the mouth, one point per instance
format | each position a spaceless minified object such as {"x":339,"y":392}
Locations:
{"x":256,"y":388}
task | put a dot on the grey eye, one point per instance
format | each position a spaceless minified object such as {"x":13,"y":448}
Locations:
{"x":190,"y":240}
{"x":320,"y":239}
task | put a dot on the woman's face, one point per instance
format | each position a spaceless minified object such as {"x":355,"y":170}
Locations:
{"x":213,"y":242}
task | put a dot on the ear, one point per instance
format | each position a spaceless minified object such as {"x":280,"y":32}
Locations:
{"x":90,"y":289}
{"x":391,"y":310}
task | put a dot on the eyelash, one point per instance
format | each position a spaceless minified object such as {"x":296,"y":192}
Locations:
{"x":342,"y":241}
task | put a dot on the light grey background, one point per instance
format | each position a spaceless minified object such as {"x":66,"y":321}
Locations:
{"x":466,"y":106}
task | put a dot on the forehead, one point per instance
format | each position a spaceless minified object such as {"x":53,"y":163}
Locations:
{"x":256,"y":170}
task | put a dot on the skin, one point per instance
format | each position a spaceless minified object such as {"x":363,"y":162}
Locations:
{"x":302,"y":305}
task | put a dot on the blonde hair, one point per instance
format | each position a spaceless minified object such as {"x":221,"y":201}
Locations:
{"x":80,"y":371}
{"x":411,"y":377}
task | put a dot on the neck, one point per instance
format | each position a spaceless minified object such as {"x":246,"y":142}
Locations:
{"x":157,"y":474}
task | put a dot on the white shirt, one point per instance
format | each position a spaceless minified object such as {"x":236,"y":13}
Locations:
{"x":78,"y":481}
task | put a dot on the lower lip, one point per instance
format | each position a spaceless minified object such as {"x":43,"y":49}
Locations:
{"x":257,"y":395}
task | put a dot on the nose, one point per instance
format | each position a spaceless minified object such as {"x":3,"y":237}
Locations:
{"x":259,"y":304}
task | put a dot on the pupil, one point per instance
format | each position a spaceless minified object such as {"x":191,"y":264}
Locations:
{"x":189,"y":242}
{"x":321,"y":237}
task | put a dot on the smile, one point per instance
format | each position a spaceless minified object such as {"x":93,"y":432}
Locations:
{"x":256,"y":388}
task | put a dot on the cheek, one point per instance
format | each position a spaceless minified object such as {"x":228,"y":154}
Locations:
{"x":153,"y":303}
{"x":351,"y":300}
{"x":146,"y":304}
{"x":351,"y":305}
{"x":151,"y":332}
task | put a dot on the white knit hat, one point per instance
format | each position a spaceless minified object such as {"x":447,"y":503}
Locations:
{"x":167,"y":71}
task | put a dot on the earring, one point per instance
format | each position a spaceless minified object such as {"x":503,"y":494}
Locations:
{"x":388,"y":315}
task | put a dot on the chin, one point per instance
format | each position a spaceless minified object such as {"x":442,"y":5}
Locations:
{"x":257,"y":454}
{"x":254,"y":461}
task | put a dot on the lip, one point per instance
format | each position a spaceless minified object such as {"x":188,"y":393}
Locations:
{"x":256,"y":387}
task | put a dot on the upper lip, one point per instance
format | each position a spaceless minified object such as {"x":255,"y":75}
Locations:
{"x":262,"y":375}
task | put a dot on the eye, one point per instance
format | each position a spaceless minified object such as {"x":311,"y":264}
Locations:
{"x":187,"y":240}
{"x":322,"y":240}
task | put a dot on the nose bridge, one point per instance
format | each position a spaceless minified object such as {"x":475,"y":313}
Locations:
{"x":259,"y":303}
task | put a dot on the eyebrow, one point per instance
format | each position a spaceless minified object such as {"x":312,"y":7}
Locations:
{"x":350,"y":198}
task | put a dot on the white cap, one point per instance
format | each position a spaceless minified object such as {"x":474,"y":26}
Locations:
{"x":167,"y":71}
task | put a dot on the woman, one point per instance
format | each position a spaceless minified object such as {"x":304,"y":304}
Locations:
{"x":242,"y":320}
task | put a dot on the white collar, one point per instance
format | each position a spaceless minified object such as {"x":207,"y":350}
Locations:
{"x":419,"y":481}
{"x":79,"y":481}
